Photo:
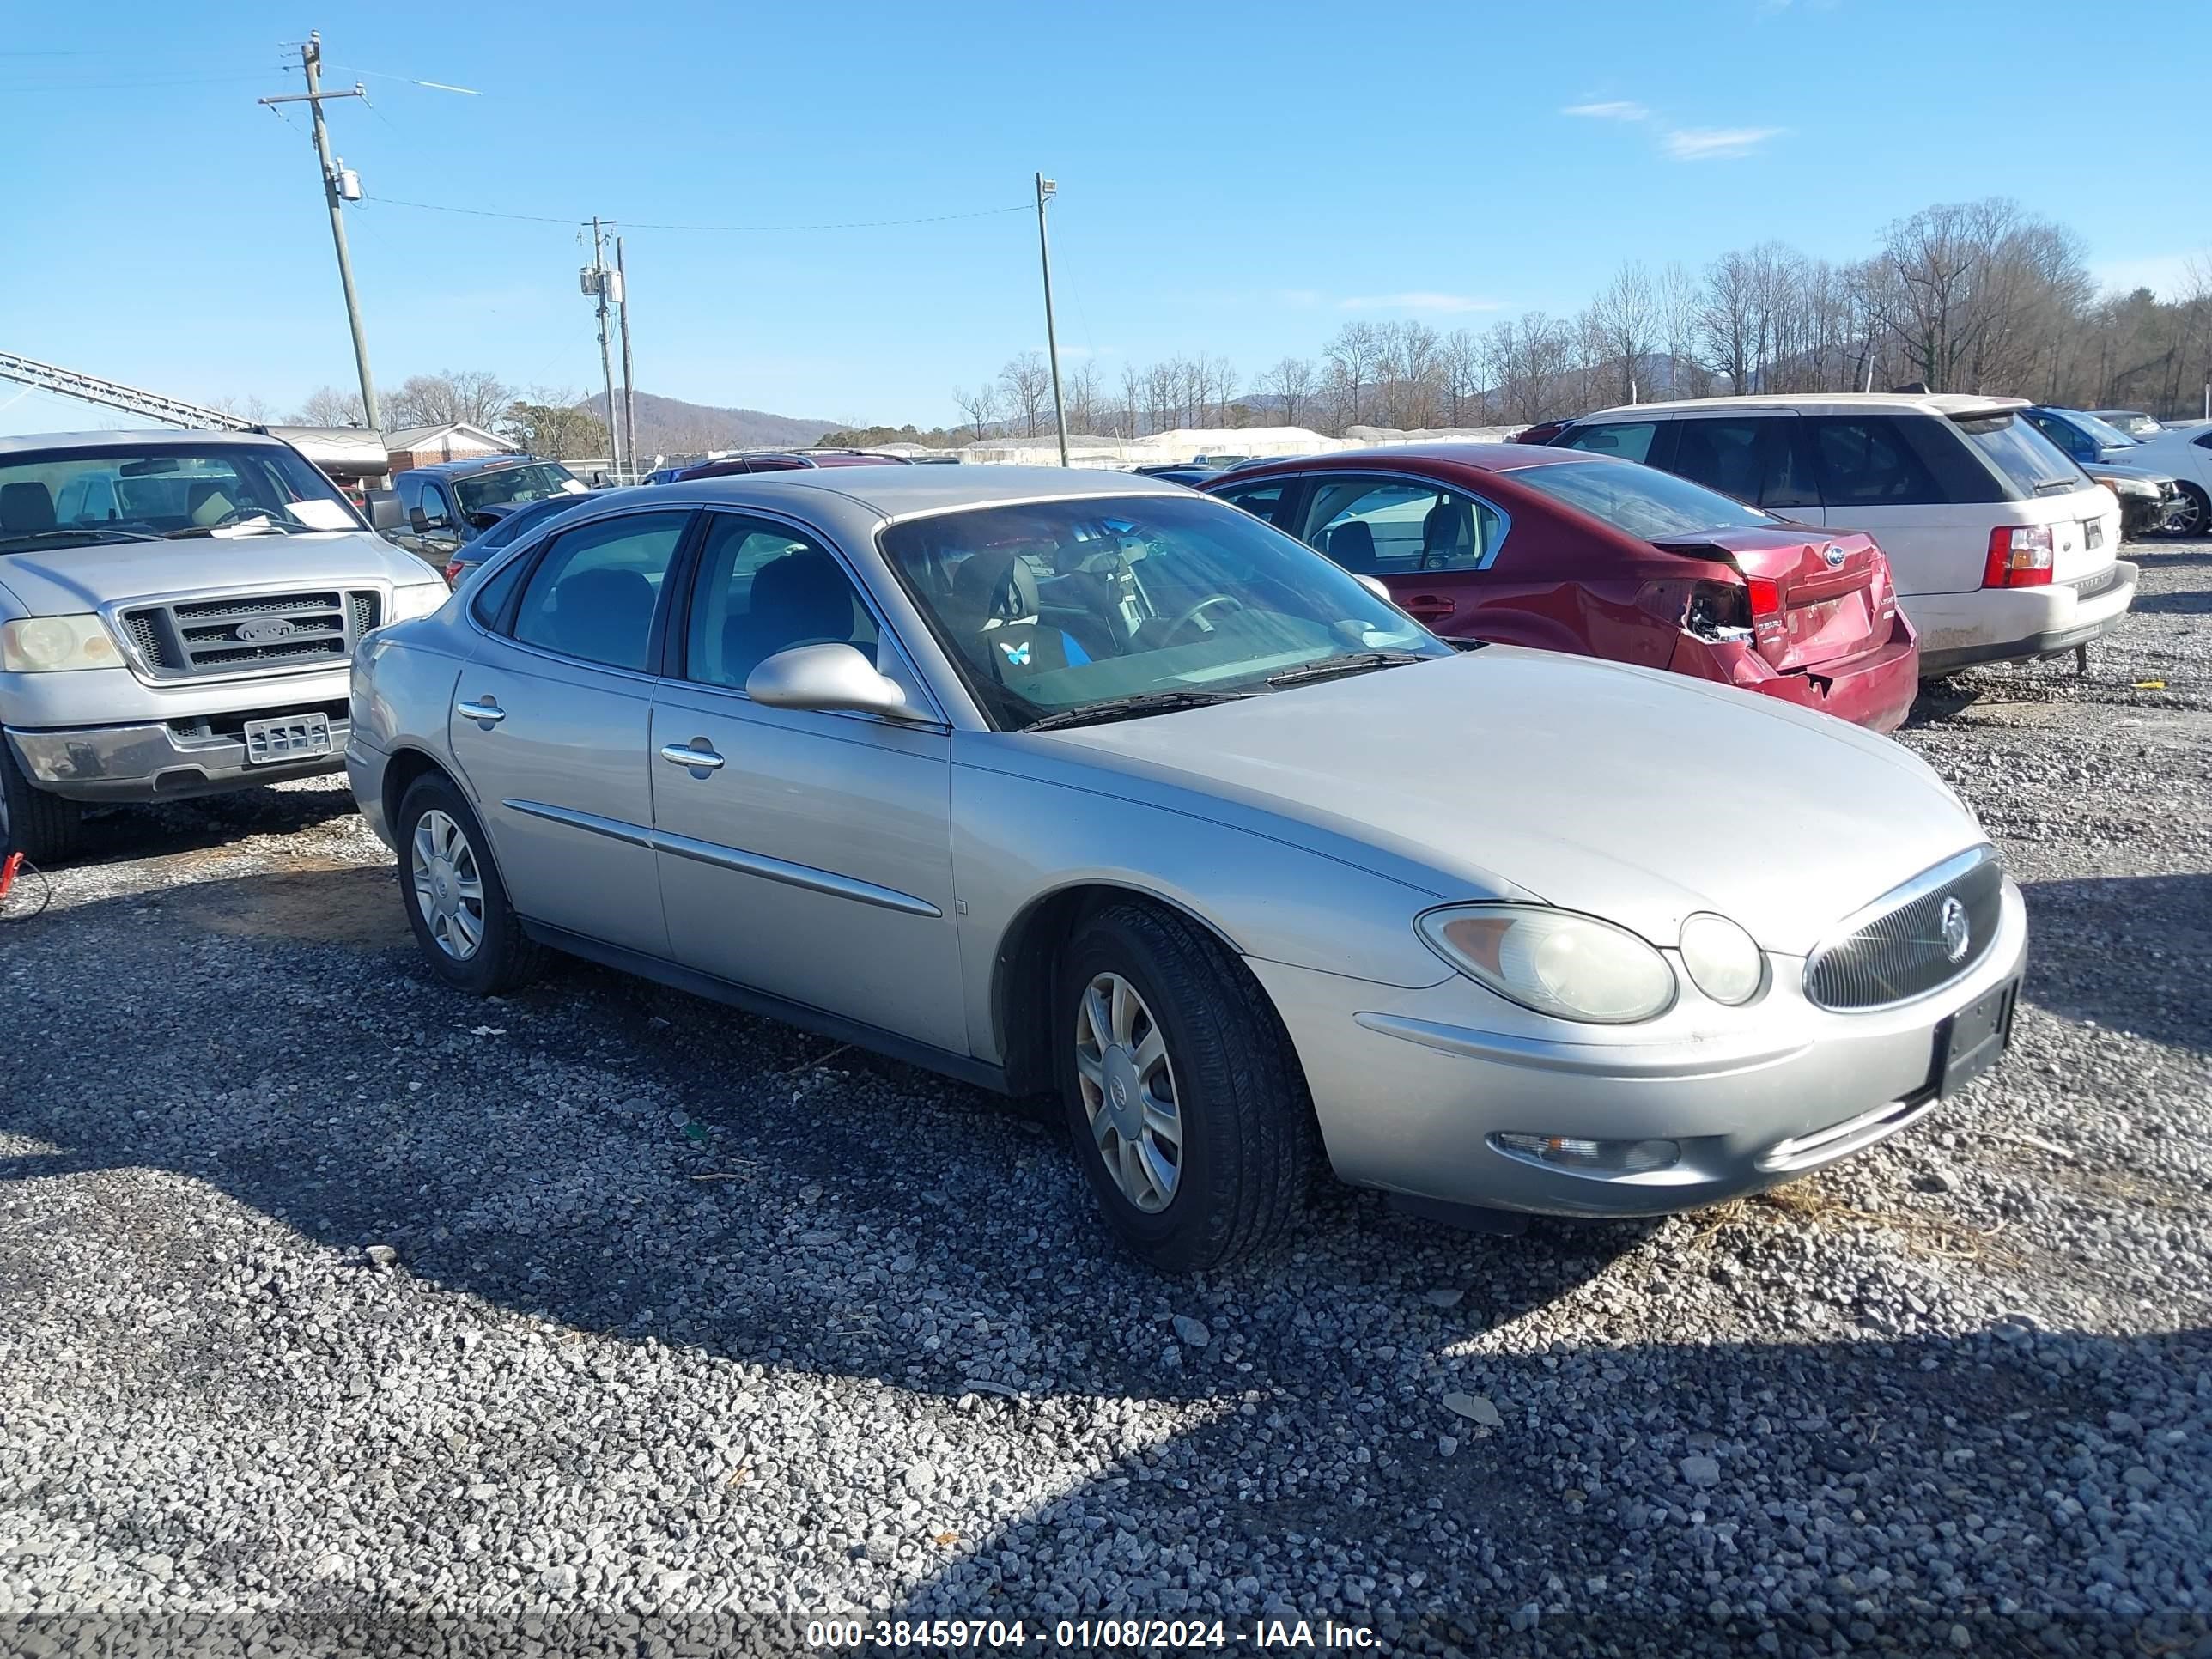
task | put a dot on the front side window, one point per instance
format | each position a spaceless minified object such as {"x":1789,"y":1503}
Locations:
{"x":1388,"y":527}
{"x":505,"y":484}
{"x":763,"y":588}
{"x":57,"y":498}
{"x":1641,"y":501}
{"x":1267,"y":500}
{"x":595,"y":589}
{"x":1057,"y":608}
{"x":1628,"y":440}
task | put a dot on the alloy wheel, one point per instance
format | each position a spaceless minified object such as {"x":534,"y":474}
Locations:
{"x":1129,"y":1094}
{"x":448,"y":885}
{"x":2186,"y":517}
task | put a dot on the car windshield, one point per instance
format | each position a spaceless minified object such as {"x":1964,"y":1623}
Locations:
{"x":522,"y":520}
{"x":2030,"y":460}
{"x":2108,"y":435}
{"x":504,"y":485}
{"x":2133,"y":422}
{"x":1050,"y":608}
{"x":56,"y":498}
{"x":1647,"y":503}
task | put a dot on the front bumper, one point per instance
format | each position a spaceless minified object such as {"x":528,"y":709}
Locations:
{"x":2019,"y":624}
{"x":1409,"y":1087}
{"x":155,"y":762}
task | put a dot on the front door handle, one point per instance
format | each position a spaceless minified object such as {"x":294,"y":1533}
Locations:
{"x":699,"y":758}
{"x":485,"y":711}
{"x":1427,"y":604}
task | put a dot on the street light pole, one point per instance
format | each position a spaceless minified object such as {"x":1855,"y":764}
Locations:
{"x":606,"y":367}
{"x":629,"y":384}
{"x":335,"y":194}
{"x":1045,"y":189}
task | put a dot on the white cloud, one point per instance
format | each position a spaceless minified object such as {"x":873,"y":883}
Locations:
{"x":1615,"y":110}
{"x":1416,"y":300}
{"x":1715,"y":143}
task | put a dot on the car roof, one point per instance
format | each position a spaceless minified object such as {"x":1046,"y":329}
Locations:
{"x":479,"y":464}
{"x":1486,"y":457}
{"x":1826,"y":403}
{"x":894,"y":492}
{"x":136,"y":439}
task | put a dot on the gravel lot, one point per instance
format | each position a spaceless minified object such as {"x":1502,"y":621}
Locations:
{"x":332,"y":1299}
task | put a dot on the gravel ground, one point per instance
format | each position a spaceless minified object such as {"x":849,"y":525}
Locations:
{"x":334,"y":1303}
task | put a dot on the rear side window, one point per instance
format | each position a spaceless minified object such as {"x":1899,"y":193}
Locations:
{"x":2034,"y":465}
{"x":1867,"y":460}
{"x":1755,"y":459}
{"x":1641,"y":501}
{"x":490,"y":602}
{"x":1629,"y":440}
{"x":594,"y":592}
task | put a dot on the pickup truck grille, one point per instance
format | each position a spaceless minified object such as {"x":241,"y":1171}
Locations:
{"x":194,"y":638}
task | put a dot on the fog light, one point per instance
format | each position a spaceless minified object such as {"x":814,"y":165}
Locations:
{"x":1597,"y":1157}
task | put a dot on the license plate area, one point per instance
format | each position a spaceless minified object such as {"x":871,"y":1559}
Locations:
{"x":1972,"y":1040}
{"x":287,"y":738}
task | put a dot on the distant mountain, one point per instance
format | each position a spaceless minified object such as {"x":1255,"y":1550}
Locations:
{"x":669,"y":426}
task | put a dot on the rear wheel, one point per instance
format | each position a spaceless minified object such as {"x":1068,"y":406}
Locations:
{"x":43,"y":828}
{"x":456,"y":903}
{"x":2192,"y":513}
{"x":1184,"y":1100}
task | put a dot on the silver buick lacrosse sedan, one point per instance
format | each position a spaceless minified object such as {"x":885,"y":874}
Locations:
{"x":1081,"y":783}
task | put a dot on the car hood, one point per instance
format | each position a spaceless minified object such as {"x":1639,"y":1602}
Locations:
{"x":56,"y":581}
{"x":1625,"y":792}
{"x":2127,"y":472}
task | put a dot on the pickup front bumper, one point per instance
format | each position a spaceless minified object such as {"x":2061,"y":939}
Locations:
{"x":158,"y":761}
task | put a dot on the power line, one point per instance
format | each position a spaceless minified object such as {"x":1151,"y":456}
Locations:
{"x":637,"y":224}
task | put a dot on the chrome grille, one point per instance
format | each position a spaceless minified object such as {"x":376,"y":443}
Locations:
{"x":1895,"y":949}
{"x":197,"y":637}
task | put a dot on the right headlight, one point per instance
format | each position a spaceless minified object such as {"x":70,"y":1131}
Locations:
{"x":48,"y":645}
{"x":1571,"y":967}
{"x":1723,"y":961}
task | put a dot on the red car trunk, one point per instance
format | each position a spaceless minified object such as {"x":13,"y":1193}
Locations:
{"x":1813,"y":603}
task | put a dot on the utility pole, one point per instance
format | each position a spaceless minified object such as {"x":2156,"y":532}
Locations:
{"x":629,"y":386}
{"x":596,"y":283}
{"x":339,"y":187}
{"x":1045,"y":190}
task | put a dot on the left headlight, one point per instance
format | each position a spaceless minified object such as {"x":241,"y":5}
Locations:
{"x":1571,"y":967}
{"x":49,"y":645}
{"x":417,"y":599}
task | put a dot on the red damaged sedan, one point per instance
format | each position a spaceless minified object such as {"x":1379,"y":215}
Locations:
{"x":1572,"y":551}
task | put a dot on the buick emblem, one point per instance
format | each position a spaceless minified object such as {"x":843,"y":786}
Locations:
{"x":1834,"y":554}
{"x":1957,"y":934}
{"x":263,"y":628}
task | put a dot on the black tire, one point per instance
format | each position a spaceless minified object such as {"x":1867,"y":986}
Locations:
{"x":505,"y":958}
{"x":1249,"y":1144}
{"x":43,"y":828}
{"x":2198,"y":506}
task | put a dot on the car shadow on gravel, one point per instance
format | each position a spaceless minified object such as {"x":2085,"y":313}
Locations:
{"x":2196,"y":602}
{"x":2130,"y":953}
{"x":123,"y":835}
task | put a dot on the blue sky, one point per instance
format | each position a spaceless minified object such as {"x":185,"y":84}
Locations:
{"x":1235,"y":179}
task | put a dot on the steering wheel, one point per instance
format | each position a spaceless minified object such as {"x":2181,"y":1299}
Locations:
{"x":1176,"y":628}
{"x":240,"y":515}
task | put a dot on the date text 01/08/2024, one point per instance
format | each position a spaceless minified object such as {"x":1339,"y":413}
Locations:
{"x":1017,"y":1635}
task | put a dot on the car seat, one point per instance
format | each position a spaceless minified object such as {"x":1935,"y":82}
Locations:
{"x":1352,"y":546}
{"x":799,"y":598}
{"x":603,"y":616}
{"x":1447,"y":535}
{"x":26,"y":508}
{"x":994,"y":601}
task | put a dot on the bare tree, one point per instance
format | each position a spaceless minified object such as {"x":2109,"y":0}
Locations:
{"x":1083,"y":390}
{"x":328,"y":406}
{"x":1353,"y":356}
{"x":1026,"y":382}
{"x":246,"y":406}
{"x":1460,"y":361}
{"x":1627,"y":318}
{"x":451,"y":395}
{"x":979,"y":405}
{"x":1130,"y":422}
{"x":1291,"y":383}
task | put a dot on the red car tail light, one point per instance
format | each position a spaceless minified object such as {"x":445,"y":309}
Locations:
{"x":2019,"y":556}
{"x":452,"y":572}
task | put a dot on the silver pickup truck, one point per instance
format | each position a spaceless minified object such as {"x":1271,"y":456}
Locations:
{"x":178,"y":613}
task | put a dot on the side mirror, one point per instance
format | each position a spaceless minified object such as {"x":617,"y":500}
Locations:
{"x":1374,"y":586}
{"x":824,"y":677}
{"x":418,"y":520}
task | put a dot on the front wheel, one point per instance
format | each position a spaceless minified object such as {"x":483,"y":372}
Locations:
{"x":456,"y":903}
{"x":1183,"y":1098}
{"x":2190,"y":514}
{"x":43,"y":828}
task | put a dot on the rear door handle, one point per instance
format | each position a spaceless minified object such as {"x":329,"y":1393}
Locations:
{"x":485,"y":710}
{"x":701,"y":759}
{"x":1427,"y":604}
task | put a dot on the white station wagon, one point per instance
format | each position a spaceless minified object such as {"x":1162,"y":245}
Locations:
{"x":2002,"y":549}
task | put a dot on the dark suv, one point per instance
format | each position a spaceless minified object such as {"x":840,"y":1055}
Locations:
{"x":444,"y":505}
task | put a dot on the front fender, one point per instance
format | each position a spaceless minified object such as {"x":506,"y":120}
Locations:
{"x":1017,"y":840}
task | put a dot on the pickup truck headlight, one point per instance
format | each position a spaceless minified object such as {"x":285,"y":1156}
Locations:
{"x":1569,"y":966}
{"x":417,"y":599}
{"x":48,"y":645}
